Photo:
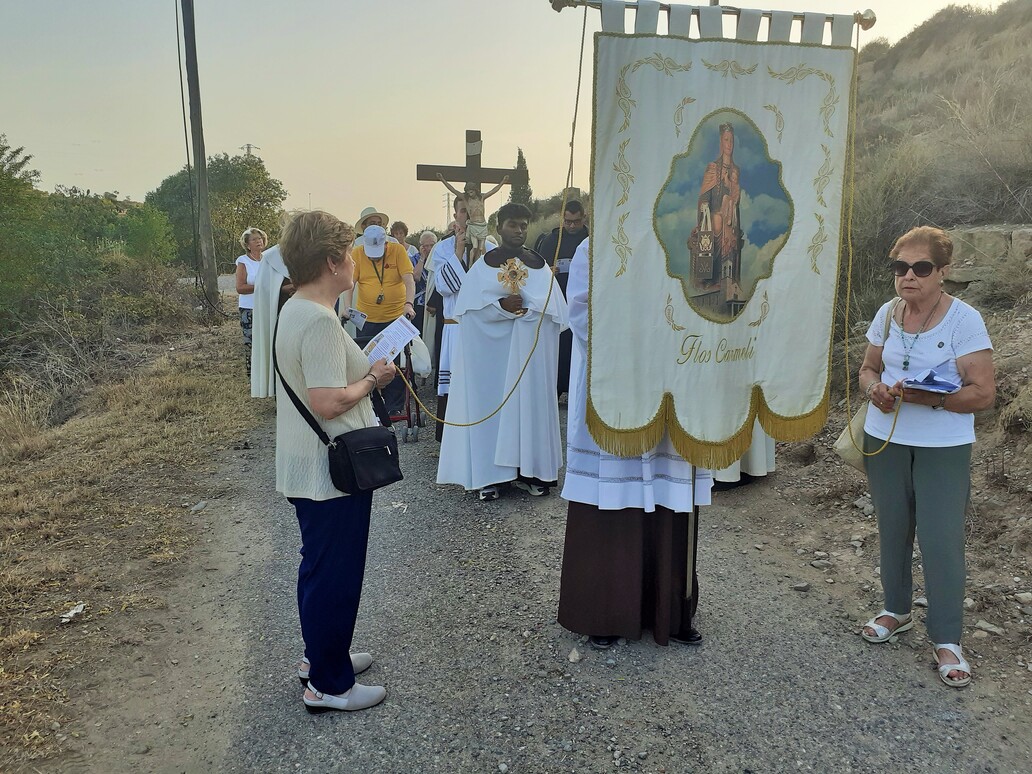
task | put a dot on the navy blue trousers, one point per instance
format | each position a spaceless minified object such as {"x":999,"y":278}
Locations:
{"x":334,"y":536}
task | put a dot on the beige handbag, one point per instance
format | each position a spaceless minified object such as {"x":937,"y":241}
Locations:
{"x":847,"y":446}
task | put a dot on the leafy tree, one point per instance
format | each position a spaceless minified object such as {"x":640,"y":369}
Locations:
{"x":21,"y":207}
{"x":521,"y":192}
{"x":13,"y":163}
{"x":148,"y":235}
{"x":241,"y":194}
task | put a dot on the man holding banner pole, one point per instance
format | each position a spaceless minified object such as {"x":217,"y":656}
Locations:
{"x":632,"y":522}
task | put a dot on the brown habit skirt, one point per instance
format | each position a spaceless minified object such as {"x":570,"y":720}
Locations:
{"x":625,"y":571}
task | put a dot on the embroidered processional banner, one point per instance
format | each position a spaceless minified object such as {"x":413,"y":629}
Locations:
{"x":717,"y":183}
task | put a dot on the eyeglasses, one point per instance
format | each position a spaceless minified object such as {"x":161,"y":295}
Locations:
{"x":921,"y":268}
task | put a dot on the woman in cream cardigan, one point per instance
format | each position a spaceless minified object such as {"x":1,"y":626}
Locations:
{"x":331,"y":376}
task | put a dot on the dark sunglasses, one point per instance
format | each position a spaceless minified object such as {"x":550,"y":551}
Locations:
{"x":921,"y":268}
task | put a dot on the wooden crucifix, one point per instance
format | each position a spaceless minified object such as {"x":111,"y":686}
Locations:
{"x":472,"y":172}
{"x":472,"y":175}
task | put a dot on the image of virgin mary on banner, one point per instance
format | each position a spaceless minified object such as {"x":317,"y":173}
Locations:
{"x":717,"y":178}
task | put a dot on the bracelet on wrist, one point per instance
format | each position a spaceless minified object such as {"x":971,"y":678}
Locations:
{"x":870,"y":389}
{"x":409,"y":303}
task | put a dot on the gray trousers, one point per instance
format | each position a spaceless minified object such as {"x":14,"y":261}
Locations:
{"x":922,"y":489}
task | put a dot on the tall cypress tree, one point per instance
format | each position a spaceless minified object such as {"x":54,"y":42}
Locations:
{"x":521,"y":193}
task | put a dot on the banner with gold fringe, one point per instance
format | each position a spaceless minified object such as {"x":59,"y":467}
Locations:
{"x":717,"y":184}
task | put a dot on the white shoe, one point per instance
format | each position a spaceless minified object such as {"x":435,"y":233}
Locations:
{"x":534,"y":490}
{"x":360,"y":662}
{"x":360,"y":697}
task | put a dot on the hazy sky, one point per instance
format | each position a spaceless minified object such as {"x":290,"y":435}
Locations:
{"x":344,"y":97}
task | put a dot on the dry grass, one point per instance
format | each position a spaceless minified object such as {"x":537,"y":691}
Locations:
{"x":90,"y":511}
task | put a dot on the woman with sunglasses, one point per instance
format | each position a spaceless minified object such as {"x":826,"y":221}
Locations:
{"x":921,"y":481}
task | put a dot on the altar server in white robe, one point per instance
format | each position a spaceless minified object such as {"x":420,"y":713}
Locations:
{"x":271,"y":284}
{"x":503,"y":299}
{"x":450,"y":264}
{"x":757,"y":462}
{"x":629,"y":556}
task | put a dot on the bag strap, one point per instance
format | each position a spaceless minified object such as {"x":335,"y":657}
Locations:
{"x":379,"y":407}
{"x":301,"y":408}
{"x":888,"y":319}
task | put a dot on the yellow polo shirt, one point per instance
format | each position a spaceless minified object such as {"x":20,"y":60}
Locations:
{"x":392,"y":267}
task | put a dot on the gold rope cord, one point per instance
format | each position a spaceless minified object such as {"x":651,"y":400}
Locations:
{"x":555,"y":262}
{"x":849,"y":266}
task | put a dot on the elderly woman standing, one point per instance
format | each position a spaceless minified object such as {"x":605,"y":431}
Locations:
{"x":329,"y":373}
{"x":253,"y":241}
{"x":922,"y":479}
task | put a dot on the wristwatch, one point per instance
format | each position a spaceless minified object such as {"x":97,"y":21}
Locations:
{"x":941,"y":406}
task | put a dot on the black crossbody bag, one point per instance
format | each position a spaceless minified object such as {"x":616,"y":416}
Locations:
{"x":360,"y":460}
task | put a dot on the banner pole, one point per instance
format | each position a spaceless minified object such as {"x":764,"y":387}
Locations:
{"x":866,"y":19}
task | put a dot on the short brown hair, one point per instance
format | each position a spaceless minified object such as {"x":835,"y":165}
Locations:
{"x":938,"y":242}
{"x":308,"y":240}
{"x":399,"y":225}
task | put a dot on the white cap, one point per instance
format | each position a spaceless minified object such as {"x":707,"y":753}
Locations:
{"x":374,"y":240}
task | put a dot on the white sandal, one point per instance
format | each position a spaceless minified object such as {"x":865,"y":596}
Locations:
{"x":945,"y":669}
{"x":883,"y":634}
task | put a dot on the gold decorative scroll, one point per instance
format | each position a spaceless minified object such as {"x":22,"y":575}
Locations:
{"x":663,"y":64}
{"x":679,"y":114}
{"x":623,"y":93}
{"x":623,"y":173}
{"x":799,"y":72}
{"x":823,"y":176}
{"x":817,"y":243}
{"x":668,"y":312}
{"x":779,"y":120}
{"x":729,"y":67}
{"x":621,"y":244}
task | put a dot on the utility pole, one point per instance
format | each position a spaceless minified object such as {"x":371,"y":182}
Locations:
{"x":209,"y":274}
{"x":246,"y":148}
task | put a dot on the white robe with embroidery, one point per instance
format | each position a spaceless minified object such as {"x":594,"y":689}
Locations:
{"x":523,"y":438}
{"x":272,"y":273}
{"x":658,"y":477}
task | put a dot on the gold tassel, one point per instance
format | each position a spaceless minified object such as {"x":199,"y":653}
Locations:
{"x":714,"y":455}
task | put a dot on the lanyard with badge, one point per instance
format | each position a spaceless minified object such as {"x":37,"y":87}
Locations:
{"x":379,"y":273}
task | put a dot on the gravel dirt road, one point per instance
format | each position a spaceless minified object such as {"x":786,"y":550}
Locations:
{"x":459,"y":609}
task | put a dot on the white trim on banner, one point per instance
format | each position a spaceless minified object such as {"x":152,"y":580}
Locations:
{"x":612,"y":15}
{"x":780,"y":26}
{"x":813,"y":28}
{"x":749,"y":24}
{"x":646,"y":17}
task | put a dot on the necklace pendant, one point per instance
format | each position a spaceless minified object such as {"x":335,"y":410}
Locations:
{"x":906,"y":364}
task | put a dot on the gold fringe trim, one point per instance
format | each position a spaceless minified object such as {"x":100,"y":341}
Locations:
{"x":705,"y":454}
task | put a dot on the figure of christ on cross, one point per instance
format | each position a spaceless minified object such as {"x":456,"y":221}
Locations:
{"x":476,"y":226}
{"x":473,"y":175}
